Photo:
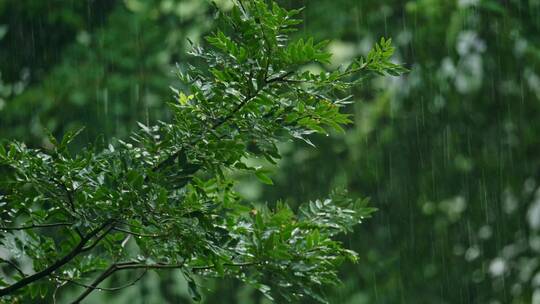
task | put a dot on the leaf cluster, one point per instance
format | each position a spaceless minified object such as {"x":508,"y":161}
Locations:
{"x":165,"y":198}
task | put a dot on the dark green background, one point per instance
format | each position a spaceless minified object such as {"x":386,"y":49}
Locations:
{"x":449,"y":153}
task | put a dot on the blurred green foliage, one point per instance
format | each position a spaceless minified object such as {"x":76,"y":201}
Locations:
{"x":110,"y":76}
{"x":448,"y":153}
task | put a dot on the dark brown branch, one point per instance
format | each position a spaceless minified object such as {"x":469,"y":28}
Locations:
{"x":236,"y":109}
{"x":108,"y":272}
{"x":111,"y":270}
{"x":134,"y":265}
{"x":70,"y":198}
{"x":68,"y":193}
{"x":99,"y":238}
{"x":34,"y":226}
{"x":56,"y":265}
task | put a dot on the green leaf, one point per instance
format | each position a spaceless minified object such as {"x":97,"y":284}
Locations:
{"x":193,"y":290}
{"x":68,"y":137}
{"x":261,"y":175}
{"x":3,"y":152}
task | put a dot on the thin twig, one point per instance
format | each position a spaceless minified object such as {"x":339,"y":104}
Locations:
{"x":56,"y":265}
{"x":34,"y":226}
{"x":135,"y":265}
{"x":280,"y":78}
{"x":12,"y":264}
{"x":247,"y":264}
{"x":99,"y":238}
{"x":139,"y":234}
{"x":109,"y":271}
{"x":103,"y":288}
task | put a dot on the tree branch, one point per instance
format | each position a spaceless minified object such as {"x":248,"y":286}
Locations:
{"x":12,"y":264}
{"x":103,"y":288}
{"x":139,"y":234}
{"x":280,"y":78}
{"x":108,"y":272}
{"x":134,"y":265}
{"x":99,"y":238}
{"x":114,"y":268}
{"x":34,"y":226}
{"x":59,"y":263}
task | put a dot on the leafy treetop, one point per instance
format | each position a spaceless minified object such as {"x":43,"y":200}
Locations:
{"x":165,"y":198}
